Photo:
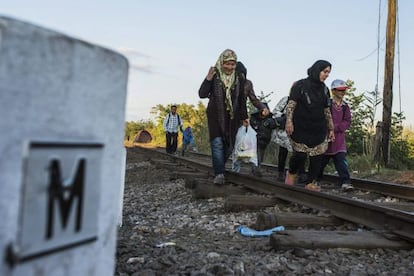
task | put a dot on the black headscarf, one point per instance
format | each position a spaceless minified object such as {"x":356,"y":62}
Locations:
{"x":315,"y":70}
{"x":241,"y":68}
{"x":309,"y":115}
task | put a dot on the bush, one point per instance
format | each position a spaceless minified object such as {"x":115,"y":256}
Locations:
{"x":360,"y":164}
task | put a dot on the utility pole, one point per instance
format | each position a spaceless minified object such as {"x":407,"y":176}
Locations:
{"x":388,"y":78}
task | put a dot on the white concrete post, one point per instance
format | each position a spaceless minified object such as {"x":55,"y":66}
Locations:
{"x":62,"y":106}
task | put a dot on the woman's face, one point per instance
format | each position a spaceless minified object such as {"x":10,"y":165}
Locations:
{"x":228,"y":67}
{"x":324,"y":74}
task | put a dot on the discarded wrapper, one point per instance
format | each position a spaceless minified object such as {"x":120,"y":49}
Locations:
{"x":165,"y":244}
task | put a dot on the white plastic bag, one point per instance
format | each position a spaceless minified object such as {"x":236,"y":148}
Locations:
{"x":246,"y":143}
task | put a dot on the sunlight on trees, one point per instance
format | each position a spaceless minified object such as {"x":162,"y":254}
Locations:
{"x":361,"y":136}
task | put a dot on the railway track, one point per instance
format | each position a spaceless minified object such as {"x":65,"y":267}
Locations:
{"x":330,"y":183}
{"x":364,"y":209}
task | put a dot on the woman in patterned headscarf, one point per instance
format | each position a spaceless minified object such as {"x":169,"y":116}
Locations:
{"x":226,"y":109}
{"x":309,"y":122}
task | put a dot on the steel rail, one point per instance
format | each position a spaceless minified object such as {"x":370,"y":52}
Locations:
{"x":371,"y":215}
{"x":390,"y":189}
{"x":377,"y":217}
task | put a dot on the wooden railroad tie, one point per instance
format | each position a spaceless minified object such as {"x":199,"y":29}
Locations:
{"x":165,"y":165}
{"x":237,"y":203}
{"x":334,"y":239}
{"x":188,"y":175}
{"x":269,"y":220}
{"x":206,"y":189}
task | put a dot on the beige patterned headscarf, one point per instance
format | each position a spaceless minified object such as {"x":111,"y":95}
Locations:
{"x":227,"y":80}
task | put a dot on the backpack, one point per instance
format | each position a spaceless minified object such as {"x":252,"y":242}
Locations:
{"x":178,"y":117}
{"x":344,"y":105}
{"x":281,"y":121}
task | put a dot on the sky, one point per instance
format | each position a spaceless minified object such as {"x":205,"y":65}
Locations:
{"x":171,"y":44}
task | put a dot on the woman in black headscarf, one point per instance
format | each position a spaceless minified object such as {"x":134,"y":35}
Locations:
{"x":309,"y":122}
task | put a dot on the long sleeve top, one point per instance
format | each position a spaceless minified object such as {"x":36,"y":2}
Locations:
{"x":172,"y":122}
{"x":220,"y":123}
{"x":249,"y":91}
{"x":341,"y":116}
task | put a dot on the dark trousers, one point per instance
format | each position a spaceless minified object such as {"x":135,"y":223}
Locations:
{"x":281,"y":159}
{"x":297,"y":162}
{"x":260,"y":153}
{"x":220,"y":153}
{"x":171,"y":142}
{"x":341,"y":166}
{"x":281,"y":163}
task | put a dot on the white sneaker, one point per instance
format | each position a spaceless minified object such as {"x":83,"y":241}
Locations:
{"x":219,"y":179}
{"x":347,"y":187}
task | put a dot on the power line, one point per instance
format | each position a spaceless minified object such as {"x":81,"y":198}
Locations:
{"x":372,"y":52}
{"x":398,"y":61}
{"x":378,"y":47}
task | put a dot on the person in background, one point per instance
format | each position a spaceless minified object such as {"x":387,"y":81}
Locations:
{"x":249,"y":91}
{"x":226,"y":109}
{"x":259,"y":122}
{"x":256,"y":118}
{"x":188,"y":140}
{"x":280,"y":137}
{"x":341,"y":116}
{"x":309,"y":123}
{"x":172,"y":123}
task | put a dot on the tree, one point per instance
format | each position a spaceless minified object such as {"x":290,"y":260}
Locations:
{"x":358,"y":131}
{"x":361,"y":134}
{"x":262,"y":97}
{"x":132,"y":128}
{"x":401,"y":156}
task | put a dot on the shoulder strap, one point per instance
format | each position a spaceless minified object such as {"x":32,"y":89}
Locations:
{"x":327,"y":93}
{"x":178,"y":117}
{"x":344,"y":110}
{"x":168,"y":120}
{"x":284,"y":108}
{"x":344,"y":105}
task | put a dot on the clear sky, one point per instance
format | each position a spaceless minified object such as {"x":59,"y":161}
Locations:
{"x":171,"y":44}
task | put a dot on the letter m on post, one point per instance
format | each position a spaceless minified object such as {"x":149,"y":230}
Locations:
{"x":62,"y":196}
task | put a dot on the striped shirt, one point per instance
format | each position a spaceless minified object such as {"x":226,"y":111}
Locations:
{"x":172,"y":123}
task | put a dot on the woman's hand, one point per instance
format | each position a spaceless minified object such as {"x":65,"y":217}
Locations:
{"x":289,"y":127}
{"x":331,"y":136}
{"x":246,"y":122}
{"x":211,"y":73}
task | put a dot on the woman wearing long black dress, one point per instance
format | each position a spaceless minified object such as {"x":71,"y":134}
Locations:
{"x":309,"y":123}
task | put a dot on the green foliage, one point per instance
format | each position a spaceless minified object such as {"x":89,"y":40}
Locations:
{"x":361,"y":134}
{"x":356,"y":132}
{"x":360,"y":137}
{"x":132,"y":128}
{"x":271,"y":153}
{"x":396,"y":125}
{"x":190,"y":116}
{"x":262,"y":97}
{"x":372,"y":101}
{"x":408,"y":135}
{"x":360,"y":163}
{"x":401,"y":148}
